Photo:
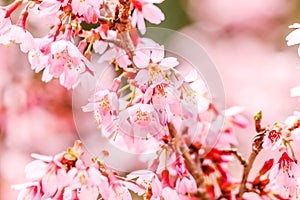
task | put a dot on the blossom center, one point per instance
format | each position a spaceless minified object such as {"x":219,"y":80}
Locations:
{"x":141,"y":118}
{"x":285,"y":162}
{"x":274,"y":136}
{"x":104,"y":104}
{"x":138,"y":5}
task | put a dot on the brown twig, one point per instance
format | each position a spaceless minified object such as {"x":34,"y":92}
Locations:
{"x":193,"y":167}
{"x":105,"y":20}
{"x":237,"y":154}
{"x":256,"y":148}
{"x":123,"y":26}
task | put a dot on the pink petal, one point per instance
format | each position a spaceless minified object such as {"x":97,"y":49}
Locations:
{"x":141,"y":60}
{"x":68,"y":78}
{"x":46,"y":75}
{"x":240,"y":121}
{"x":100,"y":47}
{"x":142,"y":77}
{"x":148,"y":94}
{"x":42,"y":157}
{"x":108,"y":55}
{"x":49,"y":7}
{"x":191,"y":76}
{"x":88,"y":193}
{"x":168,"y":63}
{"x":293,"y":38}
{"x":168,"y":192}
{"x":157,"y":54}
{"x":234,"y":110}
{"x":123,"y":61}
{"x":134,"y":18}
{"x":153,"y":14}
{"x":36,"y":170}
{"x":58,"y":47}
{"x":141,"y":23}
{"x":135,"y":188}
{"x":68,"y":194}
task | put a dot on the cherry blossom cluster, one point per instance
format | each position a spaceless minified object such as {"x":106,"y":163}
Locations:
{"x":278,"y":178}
{"x":58,"y":53}
{"x":150,"y":106}
{"x":66,"y":176}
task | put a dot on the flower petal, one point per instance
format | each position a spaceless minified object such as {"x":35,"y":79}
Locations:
{"x":168,"y":63}
{"x":141,"y":60}
{"x":153,"y":14}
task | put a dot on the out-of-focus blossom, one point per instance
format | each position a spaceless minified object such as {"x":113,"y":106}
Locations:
{"x":295,"y":92}
{"x":263,"y":14}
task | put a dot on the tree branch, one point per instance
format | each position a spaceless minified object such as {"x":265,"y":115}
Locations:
{"x":193,"y":167}
{"x":256,"y":148}
{"x":237,"y":154}
{"x":104,"y":20}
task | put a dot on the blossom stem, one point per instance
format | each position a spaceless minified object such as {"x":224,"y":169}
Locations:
{"x":237,"y":154}
{"x":291,"y":148}
{"x":192,"y":166}
{"x":132,"y":96}
{"x":124,"y":88}
{"x":166,"y":159}
{"x":104,"y":20}
{"x":256,"y":148}
{"x":11,"y":8}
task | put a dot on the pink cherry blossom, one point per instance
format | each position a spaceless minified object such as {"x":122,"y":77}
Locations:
{"x":148,"y":107}
{"x":234,"y":115}
{"x":144,"y":9}
{"x":154,"y":68}
{"x":16,"y":34}
{"x":284,"y":175}
{"x":273,"y":140}
{"x":64,"y":176}
{"x":63,"y":61}
{"x":113,"y":52}
{"x":105,"y":106}
{"x":49,"y":9}
{"x":149,"y":180}
{"x":90,"y":9}
{"x":141,"y":121}
{"x":185,"y":183}
{"x":194,"y":96}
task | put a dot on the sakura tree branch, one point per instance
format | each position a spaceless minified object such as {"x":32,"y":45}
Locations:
{"x":193,"y":167}
{"x":123,"y":26}
{"x":256,"y":148}
{"x":237,"y":154}
{"x":104,"y":20}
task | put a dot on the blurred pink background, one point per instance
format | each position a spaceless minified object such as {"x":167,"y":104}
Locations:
{"x":245,"y":39}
